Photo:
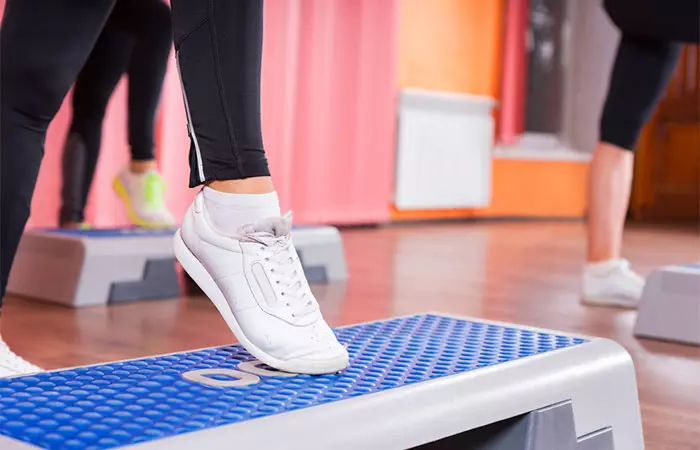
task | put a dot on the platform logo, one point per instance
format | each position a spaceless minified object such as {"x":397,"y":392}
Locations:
{"x":245,"y":374}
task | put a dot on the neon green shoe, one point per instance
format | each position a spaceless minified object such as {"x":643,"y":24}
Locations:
{"x":144,"y":198}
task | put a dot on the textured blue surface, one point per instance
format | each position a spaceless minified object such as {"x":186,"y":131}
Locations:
{"x":123,"y":403}
{"x":111,"y":232}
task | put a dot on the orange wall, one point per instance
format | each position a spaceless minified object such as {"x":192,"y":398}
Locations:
{"x":536,"y":188}
{"x":525,"y":188}
{"x":451,"y":45}
{"x":457,"y":46}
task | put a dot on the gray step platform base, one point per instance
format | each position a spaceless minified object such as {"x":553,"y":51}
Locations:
{"x":94,"y":267}
{"x":670,"y":305}
{"x":544,"y":429}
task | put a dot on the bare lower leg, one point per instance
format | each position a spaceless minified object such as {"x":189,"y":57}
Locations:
{"x":254,"y":185}
{"x":142,"y":166}
{"x":609,"y":185}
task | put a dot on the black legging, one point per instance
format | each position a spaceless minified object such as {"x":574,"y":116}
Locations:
{"x":652,"y":35}
{"x":44,"y":44}
{"x":136,"y":39}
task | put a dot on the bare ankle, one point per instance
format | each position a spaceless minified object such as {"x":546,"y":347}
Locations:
{"x":72,"y":225}
{"x":254,"y":185}
{"x":600,"y":259}
{"x":142,"y":166}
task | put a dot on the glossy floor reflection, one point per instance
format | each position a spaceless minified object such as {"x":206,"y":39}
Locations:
{"x":523,"y":272}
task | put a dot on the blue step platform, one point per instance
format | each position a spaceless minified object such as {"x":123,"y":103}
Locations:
{"x":412,"y":381}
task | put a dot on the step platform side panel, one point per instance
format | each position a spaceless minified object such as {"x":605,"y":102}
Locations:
{"x":322,"y":247}
{"x":670,"y":306}
{"x":120,"y":259}
{"x":47,"y":267}
{"x":598,"y":377}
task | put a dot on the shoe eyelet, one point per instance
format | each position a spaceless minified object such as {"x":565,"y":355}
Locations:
{"x":288,"y":305}
{"x":277,"y":282}
{"x":267,"y":259}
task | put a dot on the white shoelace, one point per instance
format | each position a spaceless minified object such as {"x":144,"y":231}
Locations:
{"x":11,"y":361}
{"x":285,"y":272}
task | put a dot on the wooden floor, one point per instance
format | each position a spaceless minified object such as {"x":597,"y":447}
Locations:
{"x":523,"y":272}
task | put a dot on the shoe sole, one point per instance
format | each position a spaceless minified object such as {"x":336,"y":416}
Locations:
{"x":206,"y":283}
{"x":611,"y":302}
{"x":120,"y":190}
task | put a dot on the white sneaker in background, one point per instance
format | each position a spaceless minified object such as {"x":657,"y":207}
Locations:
{"x":12,"y":365}
{"x":612,"y":283}
{"x":144,"y":198}
{"x":257,"y":283}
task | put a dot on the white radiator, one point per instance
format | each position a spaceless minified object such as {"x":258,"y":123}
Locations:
{"x":444,"y":150}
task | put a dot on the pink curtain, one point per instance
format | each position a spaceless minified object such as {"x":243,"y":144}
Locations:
{"x":512,"y":110}
{"x":329,"y":88}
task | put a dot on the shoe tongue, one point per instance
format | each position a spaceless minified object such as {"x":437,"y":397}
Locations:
{"x":273,"y":226}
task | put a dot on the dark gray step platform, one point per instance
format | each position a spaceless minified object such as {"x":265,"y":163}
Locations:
{"x":548,"y":428}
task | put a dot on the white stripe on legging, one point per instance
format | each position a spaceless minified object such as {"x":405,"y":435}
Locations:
{"x":200,"y":166}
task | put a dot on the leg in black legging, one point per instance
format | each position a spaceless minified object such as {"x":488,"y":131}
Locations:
{"x":149,"y":22}
{"x":659,"y":20}
{"x":146,"y":75}
{"x":93,"y":89}
{"x":641,"y":72}
{"x":235,"y":219}
{"x":137,"y":38}
{"x":219,"y":50}
{"x":652,"y":35}
{"x":43,"y":45}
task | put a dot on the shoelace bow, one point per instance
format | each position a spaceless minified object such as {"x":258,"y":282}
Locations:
{"x":285,"y":272}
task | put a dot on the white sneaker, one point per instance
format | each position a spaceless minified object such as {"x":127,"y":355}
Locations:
{"x":12,"y":365}
{"x":612,"y":283}
{"x":144,"y":198}
{"x":257,"y":283}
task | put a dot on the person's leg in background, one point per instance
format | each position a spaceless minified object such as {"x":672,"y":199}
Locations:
{"x":640,"y":74}
{"x":140,"y":184}
{"x":652,"y":31}
{"x":233,"y":242}
{"x":43,"y":45}
{"x":93,"y":89}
